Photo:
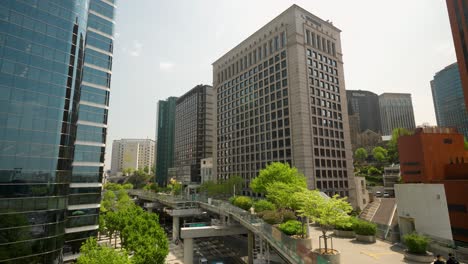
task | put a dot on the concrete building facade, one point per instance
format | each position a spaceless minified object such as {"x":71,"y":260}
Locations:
{"x":165,"y":127}
{"x":391,"y":176}
{"x":449,"y":103}
{"x":132,"y":153}
{"x":458,"y":15}
{"x":206,"y":170}
{"x":437,"y":155}
{"x":194,"y":132}
{"x":423,"y":208}
{"x":281,"y":97}
{"x":366,"y":105}
{"x":396,"y":111}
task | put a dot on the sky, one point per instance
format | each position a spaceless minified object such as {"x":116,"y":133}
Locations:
{"x":166,"y":47}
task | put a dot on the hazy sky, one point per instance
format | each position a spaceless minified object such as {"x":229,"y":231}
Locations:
{"x":165,"y":47}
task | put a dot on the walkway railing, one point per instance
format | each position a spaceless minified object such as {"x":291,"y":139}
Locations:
{"x":288,"y":247}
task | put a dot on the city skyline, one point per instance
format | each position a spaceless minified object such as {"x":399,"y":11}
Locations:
{"x":207,"y":42}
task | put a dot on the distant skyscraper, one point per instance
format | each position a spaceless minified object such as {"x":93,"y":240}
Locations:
{"x":366,"y":105}
{"x":194,"y":132}
{"x":458,"y":14}
{"x":165,"y":138}
{"x":281,"y":97}
{"x":396,"y":111}
{"x":55,"y":71}
{"x":132,"y":153}
{"x":449,"y":102}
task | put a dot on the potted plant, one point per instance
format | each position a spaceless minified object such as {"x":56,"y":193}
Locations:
{"x":296,"y":230}
{"x":417,"y":248}
{"x":365,"y":231}
{"x":326,"y":213}
{"x":345,"y":230}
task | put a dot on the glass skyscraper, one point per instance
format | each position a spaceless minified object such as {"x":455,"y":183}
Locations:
{"x":55,"y":68}
{"x":449,"y":104}
{"x":165,"y":133}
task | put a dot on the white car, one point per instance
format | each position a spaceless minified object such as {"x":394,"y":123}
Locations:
{"x":378,"y":193}
{"x":386,"y":194}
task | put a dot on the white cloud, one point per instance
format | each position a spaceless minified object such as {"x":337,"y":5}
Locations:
{"x":165,"y":66}
{"x":136,"y":48}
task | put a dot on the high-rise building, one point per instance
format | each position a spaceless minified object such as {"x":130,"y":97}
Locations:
{"x":281,"y":97}
{"x":437,"y":155}
{"x":458,"y":14}
{"x":396,"y":111}
{"x":55,"y":70}
{"x":133,"y":153}
{"x":366,"y":105}
{"x":449,"y":102}
{"x":165,"y":139}
{"x":194,"y":132}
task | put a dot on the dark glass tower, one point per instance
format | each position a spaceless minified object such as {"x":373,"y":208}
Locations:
{"x":165,"y":138}
{"x":366,"y":105}
{"x":449,"y":104}
{"x":55,"y":59}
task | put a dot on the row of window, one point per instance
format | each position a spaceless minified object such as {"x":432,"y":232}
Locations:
{"x":267,"y":49}
{"x":320,"y":42}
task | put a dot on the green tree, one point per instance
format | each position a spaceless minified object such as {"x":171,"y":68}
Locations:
{"x":128,"y":171}
{"x":234,"y":184}
{"x":110,"y":186}
{"x":360,"y":155}
{"x":466,"y":144}
{"x":282,"y":194}
{"x":380,"y":154}
{"x":139,"y":178}
{"x":277,"y":172}
{"x":392,"y":145}
{"x":327,"y":212}
{"x":92,"y":253}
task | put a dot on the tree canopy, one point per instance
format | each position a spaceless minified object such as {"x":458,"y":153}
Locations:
{"x":277,"y":172}
{"x":360,"y":154}
{"x":281,"y":194}
{"x":380,"y":154}
{"x":92,"y":253}
{"x":327,"y":212}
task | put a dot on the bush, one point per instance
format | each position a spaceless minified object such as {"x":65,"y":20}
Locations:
{"x":417,"y":244}
{"x":263,"y":205}
{"x":347,"y":227}
{"x":288,"y":215}
{"x":231,"y":199}
{"x":243,"y":202}
{"x":292,"y":227}
{"x":364,"y":228}
{"x":272,"y":217}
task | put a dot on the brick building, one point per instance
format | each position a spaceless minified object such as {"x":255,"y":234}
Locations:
{"x":437,"y":155}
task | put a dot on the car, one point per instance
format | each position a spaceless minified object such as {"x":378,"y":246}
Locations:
{"x":203,"y":261}
{"x":386,"y":194}
{"x":378,"y":193}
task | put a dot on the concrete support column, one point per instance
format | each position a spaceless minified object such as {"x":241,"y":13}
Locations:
{"x":250,"y":245}
{"x":175,"y":228}
{"x":188,"y":250}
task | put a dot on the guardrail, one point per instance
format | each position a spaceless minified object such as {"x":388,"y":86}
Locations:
{"x":288,"y":247}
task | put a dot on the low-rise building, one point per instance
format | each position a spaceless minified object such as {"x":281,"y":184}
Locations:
{"x":362,"y":194}
{"x":206,"y":170}
{"x":391,"y":177}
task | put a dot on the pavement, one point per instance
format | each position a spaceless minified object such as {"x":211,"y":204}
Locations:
{"x":353,"y":251}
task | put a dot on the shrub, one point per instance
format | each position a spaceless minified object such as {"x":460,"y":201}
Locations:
{"x":243,"y":202}
{"x":271,"y":217}
{"x":346,"y":226}
{"x":292,"y":227}
{"x":417,"y":244}
{"x":231,"y":199}
{"x":263,"y":205}
{"x":364,"y":228}
{"x":288,"y":215}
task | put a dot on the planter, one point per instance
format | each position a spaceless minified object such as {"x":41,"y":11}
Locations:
{"x":366,"y":239}
{"x":344,"y":233}
{"x":334,"y":258}
{"x":427,"y":258}
{"x":304,"y":242}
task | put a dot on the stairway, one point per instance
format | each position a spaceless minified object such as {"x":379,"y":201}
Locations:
{"x":370,"y":210}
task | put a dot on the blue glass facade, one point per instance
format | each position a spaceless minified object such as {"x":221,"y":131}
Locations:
{"x":449,"y":103}
{"x":55,"y":67}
